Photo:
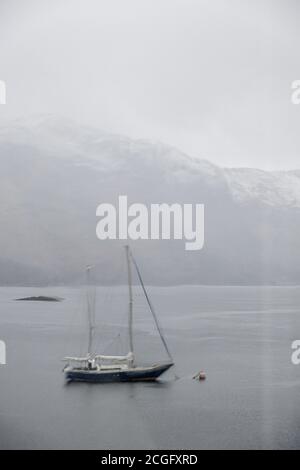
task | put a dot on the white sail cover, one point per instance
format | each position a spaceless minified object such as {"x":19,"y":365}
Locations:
{"x":102,"y":358}
{"x":115,"y":359}
{"x":75,"y":359}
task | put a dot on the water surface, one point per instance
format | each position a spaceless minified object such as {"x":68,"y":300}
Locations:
{"x":241,"y":337}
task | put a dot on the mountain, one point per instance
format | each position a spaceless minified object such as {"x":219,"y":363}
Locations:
{"x":54,"y":174}
{"x":275,"y":189}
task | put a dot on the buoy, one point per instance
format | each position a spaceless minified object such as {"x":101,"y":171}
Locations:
{"x":200,"y":376}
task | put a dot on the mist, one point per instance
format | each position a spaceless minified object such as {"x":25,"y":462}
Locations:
{"x":212,"y":78}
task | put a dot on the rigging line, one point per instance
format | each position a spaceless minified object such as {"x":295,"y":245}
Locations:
{"x":99,"y":325}
{"x":91,"y":309}
{"x":151,"y":308}
{"x":113,"y":340}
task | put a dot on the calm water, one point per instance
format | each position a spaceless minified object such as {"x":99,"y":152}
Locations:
{"x":240,"y":336}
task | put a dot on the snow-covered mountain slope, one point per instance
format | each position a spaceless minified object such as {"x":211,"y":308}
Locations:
{"x":91,"y":147}
{"x":276,"y":188}
{"x":54,"y":173}
{"x":105,"y":152}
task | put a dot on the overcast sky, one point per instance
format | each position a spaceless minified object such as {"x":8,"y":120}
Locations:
{"x":212,"y":77}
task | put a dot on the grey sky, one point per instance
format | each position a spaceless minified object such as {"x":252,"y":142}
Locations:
{"x":212,"y":77}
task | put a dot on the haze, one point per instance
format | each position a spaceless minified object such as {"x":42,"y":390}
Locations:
{"x":211,"y":77}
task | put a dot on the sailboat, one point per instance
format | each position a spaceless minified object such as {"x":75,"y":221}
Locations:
{"x":101,"y":368}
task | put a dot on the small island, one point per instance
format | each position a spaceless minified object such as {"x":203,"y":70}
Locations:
{"x":41,"y":298}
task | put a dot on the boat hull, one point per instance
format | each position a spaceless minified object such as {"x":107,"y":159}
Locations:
{"x":131,"y":375}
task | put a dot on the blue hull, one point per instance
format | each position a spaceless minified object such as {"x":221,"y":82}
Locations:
{"x":132,"y":375}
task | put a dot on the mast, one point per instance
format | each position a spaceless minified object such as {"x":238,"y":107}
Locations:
{"x":130,"y":311}
{"x":89,"y":312}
